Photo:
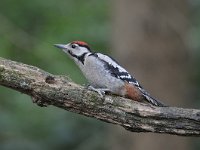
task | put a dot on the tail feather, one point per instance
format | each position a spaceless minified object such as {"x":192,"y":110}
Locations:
{"x":152,"y":100}
{"x":139,"y":94}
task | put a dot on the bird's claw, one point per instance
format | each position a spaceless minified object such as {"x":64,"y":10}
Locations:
{"x":100,"y":91}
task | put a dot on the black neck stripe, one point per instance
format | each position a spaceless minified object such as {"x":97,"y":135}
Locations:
{"x":80,"y":58}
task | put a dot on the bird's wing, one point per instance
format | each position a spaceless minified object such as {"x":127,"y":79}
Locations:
{"x":119,"y":72}
{"x":116,"y":70}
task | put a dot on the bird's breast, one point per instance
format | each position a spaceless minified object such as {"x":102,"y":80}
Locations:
{"x":98,"y":76}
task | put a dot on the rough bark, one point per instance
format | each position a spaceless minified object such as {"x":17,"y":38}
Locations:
{"x":47,"y":89}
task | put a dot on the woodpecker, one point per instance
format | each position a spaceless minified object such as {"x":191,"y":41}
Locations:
{"x":104,"y":74}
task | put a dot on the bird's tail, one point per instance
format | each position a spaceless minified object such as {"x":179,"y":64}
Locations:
{"x":152,"y":100}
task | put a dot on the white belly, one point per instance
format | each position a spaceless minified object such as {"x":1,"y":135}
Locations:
{"x":99,"y":77}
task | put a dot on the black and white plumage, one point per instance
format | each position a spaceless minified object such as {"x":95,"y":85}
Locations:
{"x":105,"y":74}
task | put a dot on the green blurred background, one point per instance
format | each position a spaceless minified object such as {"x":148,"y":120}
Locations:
{"x":28,"y":30}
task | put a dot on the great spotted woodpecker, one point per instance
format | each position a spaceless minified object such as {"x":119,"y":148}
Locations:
{"x":105,"y":74}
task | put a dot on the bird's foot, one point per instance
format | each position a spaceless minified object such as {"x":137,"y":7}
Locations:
{"x":100,"y":91}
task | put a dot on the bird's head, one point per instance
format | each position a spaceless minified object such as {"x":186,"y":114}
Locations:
{"x":74,"y":49}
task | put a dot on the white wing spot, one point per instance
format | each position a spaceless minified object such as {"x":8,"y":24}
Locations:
{"x":111,"y":62}
{"x":124,"y":76}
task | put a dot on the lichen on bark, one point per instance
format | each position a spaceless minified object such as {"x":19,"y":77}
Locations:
{"x":47,"y":89}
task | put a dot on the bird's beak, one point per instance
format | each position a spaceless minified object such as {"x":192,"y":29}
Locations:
{"x":61,"y":46}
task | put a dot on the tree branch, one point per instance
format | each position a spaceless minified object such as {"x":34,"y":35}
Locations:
{"x":47,"y":89}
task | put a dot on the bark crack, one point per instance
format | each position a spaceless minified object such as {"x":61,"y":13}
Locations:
{"x":47,"y":89}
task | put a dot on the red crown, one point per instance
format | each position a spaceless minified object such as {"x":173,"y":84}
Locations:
{"x":80,"y":43}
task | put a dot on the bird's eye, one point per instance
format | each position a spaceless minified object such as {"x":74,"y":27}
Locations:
{"x":73,"y":46}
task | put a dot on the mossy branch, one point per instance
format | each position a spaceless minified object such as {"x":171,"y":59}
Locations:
{"x":47,"y":89}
